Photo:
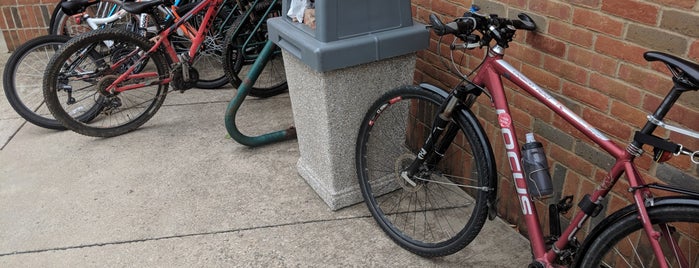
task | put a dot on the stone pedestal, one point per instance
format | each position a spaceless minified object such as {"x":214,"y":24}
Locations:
{"x":328,"y":108}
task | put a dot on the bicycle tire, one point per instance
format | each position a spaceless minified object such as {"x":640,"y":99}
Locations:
{"x":390,"y":135}
{"x":272,"y":79}
{"x":25,"y":66}
{"x":606,"y":252}
{"x":122,"y":112}
{"x":210,"y":54}
{"x":63,"y":24}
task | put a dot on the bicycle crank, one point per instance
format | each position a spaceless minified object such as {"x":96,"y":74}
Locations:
{"x":183,"y":76}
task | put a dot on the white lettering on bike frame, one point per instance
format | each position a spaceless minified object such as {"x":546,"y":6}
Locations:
{"x":516,"y":167}
{"x":540,"y":91}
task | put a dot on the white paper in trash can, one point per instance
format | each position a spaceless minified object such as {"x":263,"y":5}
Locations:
{"x":296,"y":10}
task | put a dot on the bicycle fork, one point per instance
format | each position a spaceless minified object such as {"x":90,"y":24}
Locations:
{"x":434,"y":148}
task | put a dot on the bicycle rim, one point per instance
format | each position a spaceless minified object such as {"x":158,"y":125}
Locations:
{"x":244,"y":43}
{"x":75,"y":81}
{"x":438,"y":211}
{"x":23,"y":69}
{"x":625,"y":243}
{"x":209,"y":58}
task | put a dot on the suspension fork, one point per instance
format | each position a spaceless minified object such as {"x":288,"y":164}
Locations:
{"x":428,"y":152}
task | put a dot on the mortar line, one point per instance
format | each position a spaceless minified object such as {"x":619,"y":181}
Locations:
{"x":179,"y":236}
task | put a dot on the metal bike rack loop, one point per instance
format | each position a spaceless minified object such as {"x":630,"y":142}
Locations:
{"x":234,"y":105}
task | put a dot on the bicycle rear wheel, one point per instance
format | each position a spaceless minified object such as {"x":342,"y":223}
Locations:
{"x":447,"y":205}
{"x":209,"y":60}
{"x":72,"y":81}
{"x":243,"y":43}
{"x":25,"y":66}
{"x":625,"y":243}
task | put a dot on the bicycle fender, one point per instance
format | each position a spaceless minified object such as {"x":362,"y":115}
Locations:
{"x":630,"y":209}
{"x":469,"y":117}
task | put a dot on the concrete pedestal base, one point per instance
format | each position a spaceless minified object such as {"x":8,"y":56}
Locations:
{"x":328,"y":108}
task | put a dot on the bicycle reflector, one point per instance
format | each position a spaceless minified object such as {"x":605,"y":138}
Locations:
{"x":660,"y":155}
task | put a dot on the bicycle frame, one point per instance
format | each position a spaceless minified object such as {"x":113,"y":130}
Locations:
{"x":489,"y":76}
{"x":161,"y":39}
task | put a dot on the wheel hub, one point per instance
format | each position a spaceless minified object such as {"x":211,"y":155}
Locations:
{"x":410,"y":184}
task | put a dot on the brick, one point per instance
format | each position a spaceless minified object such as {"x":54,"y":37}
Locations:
{"x":607,"y":124}
{"x":526,"y":54}
{"x":587,"y":3}
{"x":597,"y":21}
{"x":683,"y":23}
{"x":677,"y":178}
{"x":630,"y":114}
{"x":445,"y":8}
{"x":421,"y":3}
{"x":594,"y":155}
{"x":28,"y":19}
{"x":45,"y":15}
{"x":566,"y":70}
{"x":570,"y":33}
{"x":553,"y":134}
{"x":687,"y":4}
{"x":621,"y":50}
{"x":548,"y":45}
{"x":644,"y":79}
{"x":586,"y":95}
{"x":616,"y":89}
{"x":657,"y":39}
{"x":536,"y":109}
{"x":571,"y":161}
{"x":541,"y":77}
{"x":552,"y":9}
{"x":520,"y":117}
{"x":573,"y":105}
{"x":694,"y":51}
{"x":16,"y":17}
{"x":633,"y":10}
{"x":558,"y":176}
{"x":591,"y":60}
{"x":565,"y":127}
{"x":9,"y":19}
{"x":490,"y":7}
{"x":6,"y":3}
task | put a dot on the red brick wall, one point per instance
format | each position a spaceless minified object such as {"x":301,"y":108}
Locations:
{"x":589,"y":55}
{"x":21,"y":20}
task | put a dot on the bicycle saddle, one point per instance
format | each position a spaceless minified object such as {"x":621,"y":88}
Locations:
{"x":72,"y":7}
{"x":681,"y":68}
{"x":141,"y":7}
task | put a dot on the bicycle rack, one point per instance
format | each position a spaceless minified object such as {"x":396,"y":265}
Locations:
{"x":234,"y":105}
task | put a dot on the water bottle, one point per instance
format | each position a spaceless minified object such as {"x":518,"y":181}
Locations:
{"x":536,"y":169}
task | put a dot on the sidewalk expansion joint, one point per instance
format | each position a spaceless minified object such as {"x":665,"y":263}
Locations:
{"x":180,"y":236}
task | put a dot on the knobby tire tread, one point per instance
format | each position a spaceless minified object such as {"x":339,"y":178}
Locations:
{"x":75,"y":44}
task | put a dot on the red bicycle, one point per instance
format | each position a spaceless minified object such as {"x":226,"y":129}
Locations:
{"x":428,"y":174}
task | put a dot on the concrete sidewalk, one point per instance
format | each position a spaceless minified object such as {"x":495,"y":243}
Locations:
{"x":179,"y":193}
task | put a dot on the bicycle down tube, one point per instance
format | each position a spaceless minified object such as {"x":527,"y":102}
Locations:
{"x":160,"y":40}
{"x":495,"y":67}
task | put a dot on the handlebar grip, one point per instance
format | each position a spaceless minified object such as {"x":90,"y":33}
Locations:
{"x":455,"y":27}
{"x":525,"y":22}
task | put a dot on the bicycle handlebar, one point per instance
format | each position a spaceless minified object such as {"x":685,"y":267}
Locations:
{"x":492,"y":27}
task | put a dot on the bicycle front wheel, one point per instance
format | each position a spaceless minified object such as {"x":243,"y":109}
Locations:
{"x":442,"y":208}
{"x":625,"y":243}
{"x":25,"y":66}
{"x":81,"y":75}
